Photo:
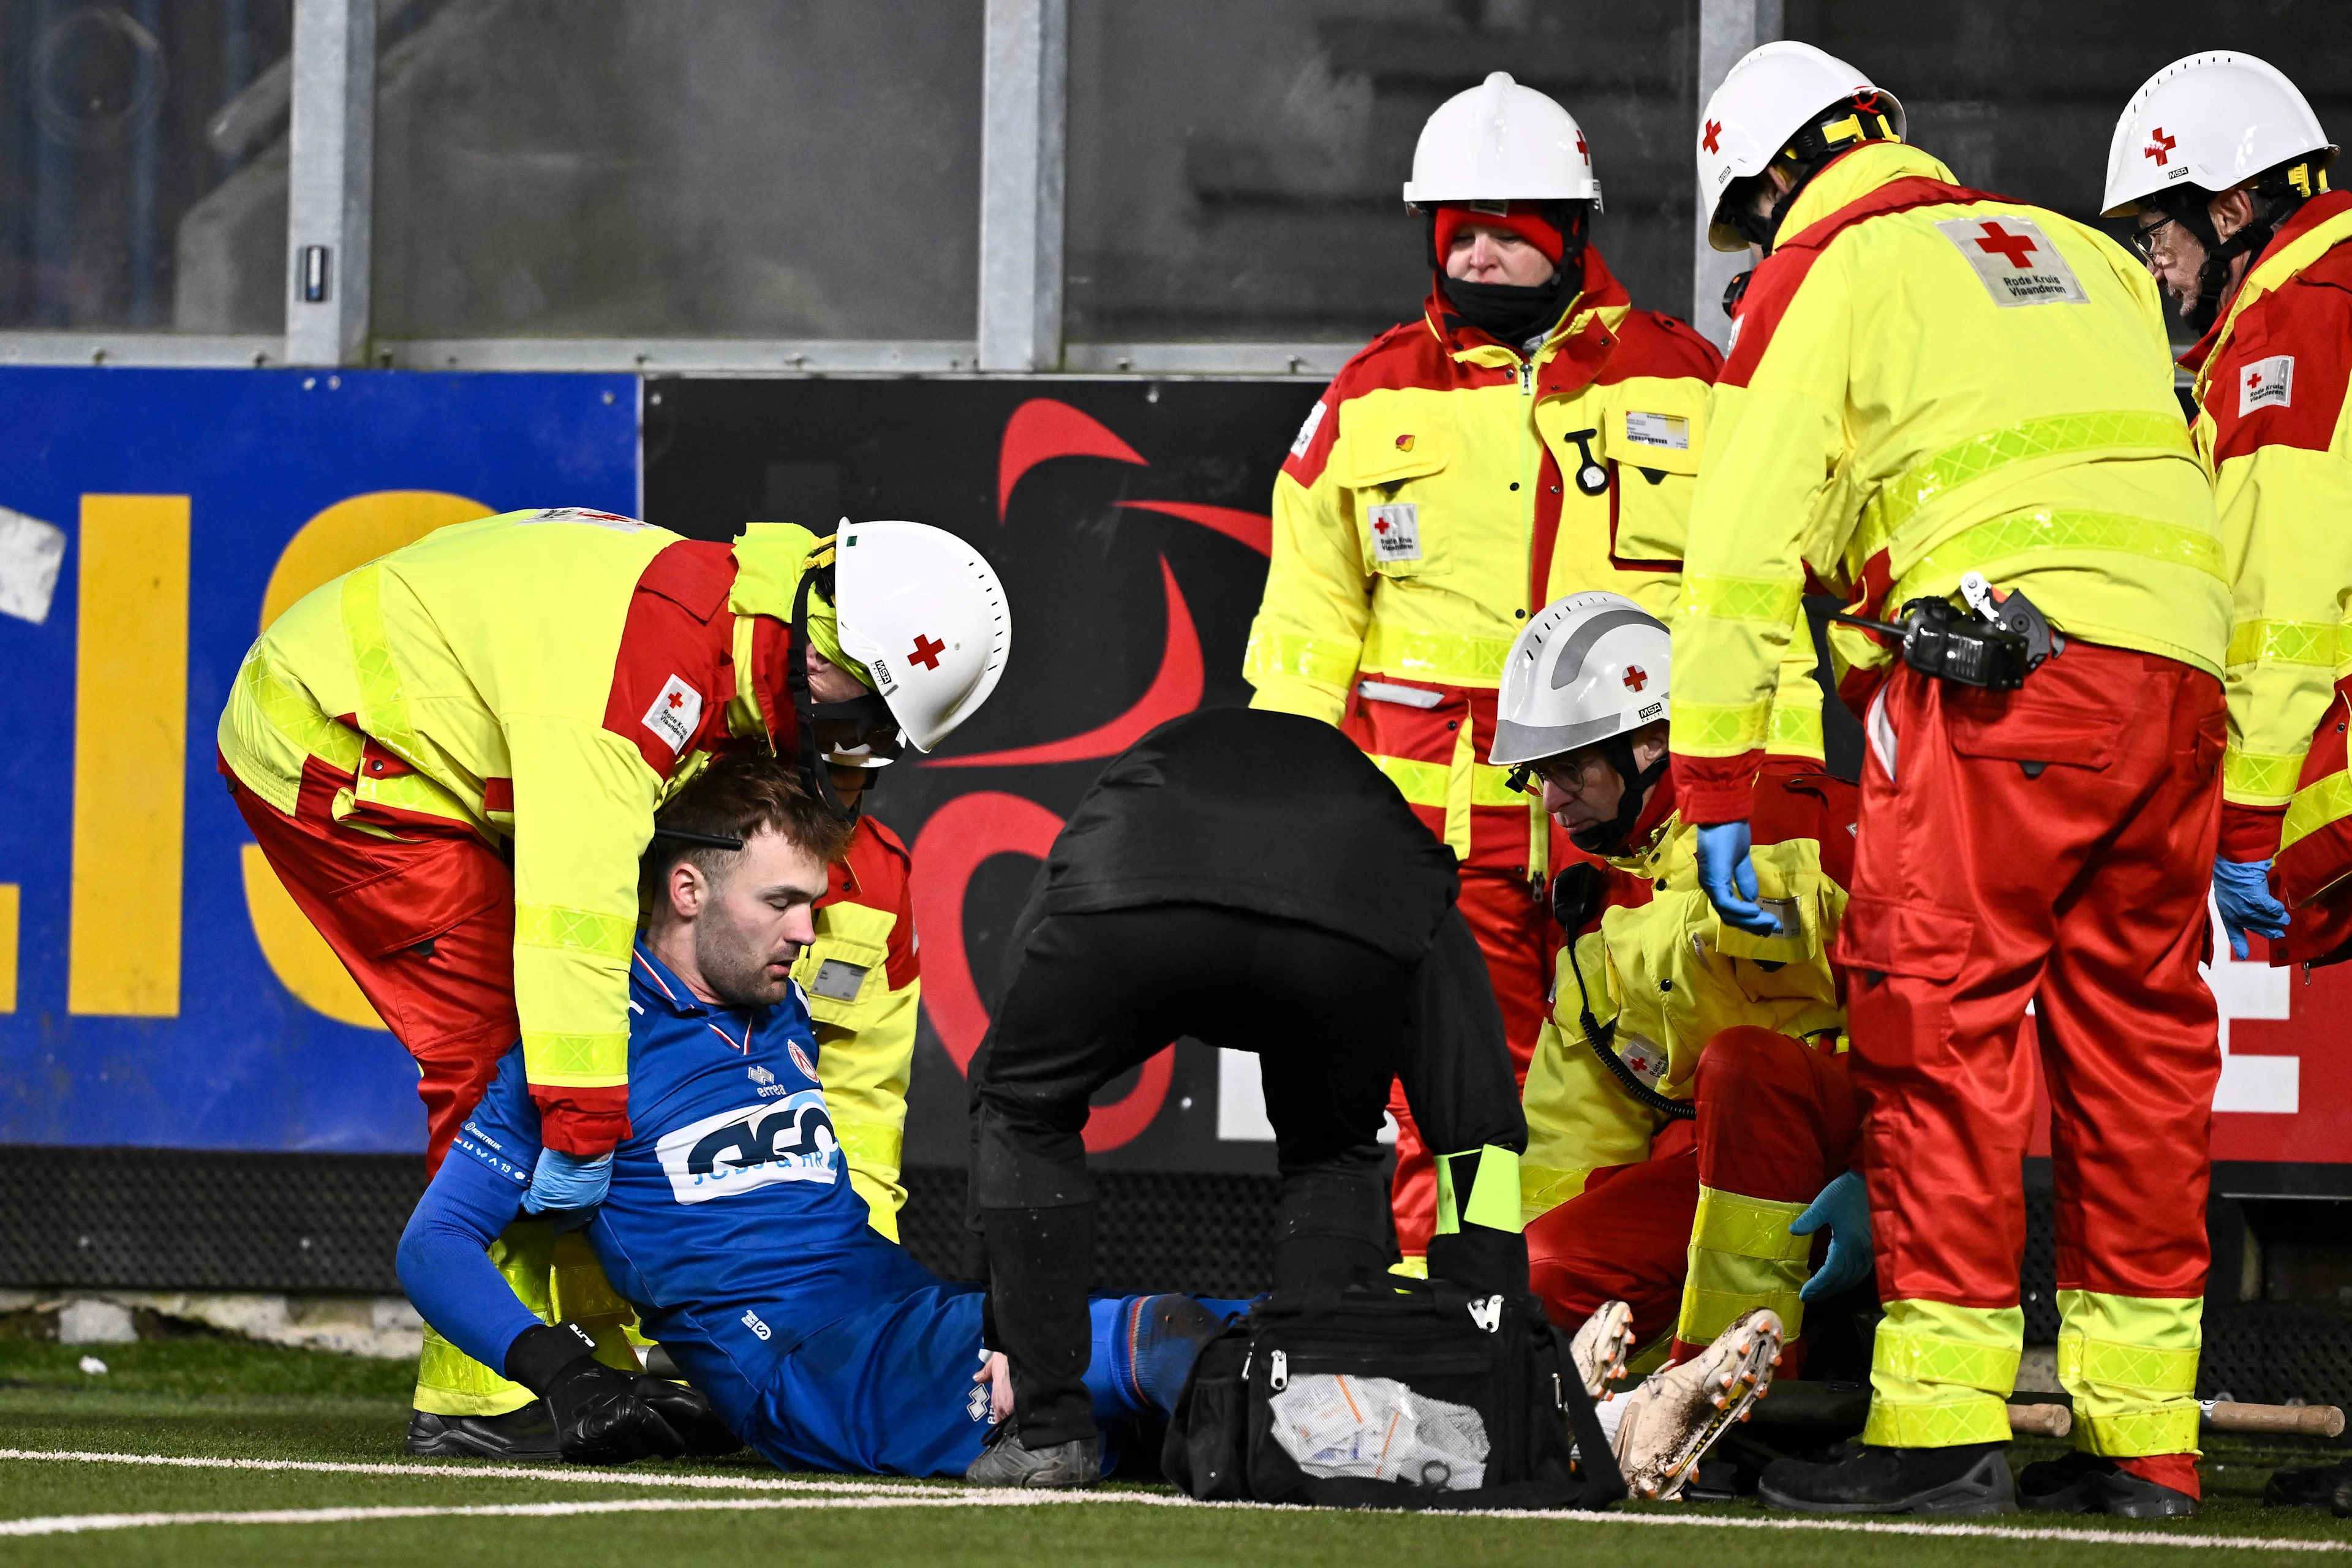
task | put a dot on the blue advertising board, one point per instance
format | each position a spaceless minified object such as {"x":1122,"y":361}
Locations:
{"x":152,"y":991}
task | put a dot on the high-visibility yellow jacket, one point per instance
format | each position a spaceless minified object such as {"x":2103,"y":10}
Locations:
{"x":1928,"y":381}
{"x":546,"y":679}
{"x":863,"y":982}
{"x":1671,"y":977}
{"x":2271,"y":398}
{"x":1443,"y":489}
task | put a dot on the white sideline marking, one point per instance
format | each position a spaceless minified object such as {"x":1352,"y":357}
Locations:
{"x":872,"y":1494}
{"x":561,"y":1475}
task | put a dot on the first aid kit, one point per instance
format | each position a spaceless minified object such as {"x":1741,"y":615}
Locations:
{"x":1395,"y":1394}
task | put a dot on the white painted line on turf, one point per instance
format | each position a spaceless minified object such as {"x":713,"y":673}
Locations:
{"x":561,"y":1474}
{"x":71,"y":1524}
{"x":877,"y":1493}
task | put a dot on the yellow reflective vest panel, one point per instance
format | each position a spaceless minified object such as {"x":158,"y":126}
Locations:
{"x":1444,"y":488}
{"x":2269,"y":391}
{"x":511,"y":676}
{"x":863,"y":982}
{"x":1671,"y":977}
{"x":1928,"y":381}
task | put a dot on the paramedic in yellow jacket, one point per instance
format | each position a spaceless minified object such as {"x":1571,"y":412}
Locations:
{"x":451,"y":757}
{"x":2222,"y":169}
{"x":1958,"y":409}
{"x":1689,"y":1121}
{"x":1530,"y":434}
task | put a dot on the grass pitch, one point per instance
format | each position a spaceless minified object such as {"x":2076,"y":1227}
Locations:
{"x":135,"y":1466}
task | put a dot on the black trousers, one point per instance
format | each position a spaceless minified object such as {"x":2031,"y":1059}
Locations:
{"x":1331,"y":1020}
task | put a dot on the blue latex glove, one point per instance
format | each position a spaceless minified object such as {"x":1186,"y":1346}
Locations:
{"x":1843,"y":1206}
{"x":2241,"y":892}
{"x":568,"y":1187}
{"x":1730,"y":879}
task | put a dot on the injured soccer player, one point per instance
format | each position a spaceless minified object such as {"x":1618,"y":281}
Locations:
{"x":731,"y":1224}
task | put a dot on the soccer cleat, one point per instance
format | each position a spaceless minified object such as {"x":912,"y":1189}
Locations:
{"x":1007,"y":1461}
{"x":2086,"y":1483}
{"x":1676,"y":1414}
{"x":1602,"y":1346}
{"x":1964,"y":1482}
{"x":527,"y":1433}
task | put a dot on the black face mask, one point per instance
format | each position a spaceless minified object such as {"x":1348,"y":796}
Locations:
{"x":1507,"y":311}
{"x":1607,"y":838}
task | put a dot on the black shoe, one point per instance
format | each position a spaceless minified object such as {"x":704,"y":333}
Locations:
{"x":525,"y":1433}
{"x":1957,"y":1482}
{"x":2086,"y":1483}
{"x":2308,"y":1486}
{"x":1007,"y":1461}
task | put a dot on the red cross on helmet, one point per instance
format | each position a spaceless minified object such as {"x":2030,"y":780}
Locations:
{"x":2213,"y":121}
{"x":924,"y":612}
{"x":1500,"y":142}
{"x":1766,"y":101}
{"x":1586,"y":667}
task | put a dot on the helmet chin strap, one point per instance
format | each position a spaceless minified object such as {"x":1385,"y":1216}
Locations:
{"x":1609,"y":838}
{"x":796,"y":681}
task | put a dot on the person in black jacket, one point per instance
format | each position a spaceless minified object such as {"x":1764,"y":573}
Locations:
{"x":1251,"y":880}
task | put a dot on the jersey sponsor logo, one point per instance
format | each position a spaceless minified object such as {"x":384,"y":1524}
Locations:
{"x":752,"y":1322}
{"x":766,"y":1081}
{"x":1396,"y":530}
{"x":2015,"y":261}
{"x":611,"y":520}
{"x":2266,"y":384}
{"x":676,"y":712}
{"x":1668,"y":431}
{"x":1307,"y":431}
{"x":752,"y":1147}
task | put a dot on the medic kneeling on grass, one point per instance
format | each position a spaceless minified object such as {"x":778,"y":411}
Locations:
{"x":1689,"y":1121}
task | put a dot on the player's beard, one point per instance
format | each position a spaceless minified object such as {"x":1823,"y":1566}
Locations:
{"x":734,"y":963}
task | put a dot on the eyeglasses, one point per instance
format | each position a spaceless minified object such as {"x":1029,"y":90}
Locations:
{"x":2143,"y":238}
{"x":1563,"y":774}
{"x":859,"y":733}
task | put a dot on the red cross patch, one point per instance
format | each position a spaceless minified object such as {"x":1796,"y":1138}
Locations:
{"x":927,"y":651}
{"x":1713,"y":130}
{"x":2158,"y":146}
{"x":1636,"y":678}
{"x":2016,"y":246}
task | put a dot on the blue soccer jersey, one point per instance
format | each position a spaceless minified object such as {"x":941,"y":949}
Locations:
{"x":731,"y":1225}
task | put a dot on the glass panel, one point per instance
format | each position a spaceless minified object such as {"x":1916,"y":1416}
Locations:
{"x":1235,"y":165}
{"x":675,"y":168}
{"x":2022,"y":100}
{"x":143,"y":180}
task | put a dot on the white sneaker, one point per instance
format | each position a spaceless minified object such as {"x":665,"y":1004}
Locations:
{"x":1675,"y":1417}
{"x":1602,"y":1346}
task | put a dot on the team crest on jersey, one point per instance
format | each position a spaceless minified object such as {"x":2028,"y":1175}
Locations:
{"x":751,"y":1147}
{"x":800,"y":1060}
{"x":2014,"y":260}
{"x":674,"y":712}
{"x":2266,"y":384}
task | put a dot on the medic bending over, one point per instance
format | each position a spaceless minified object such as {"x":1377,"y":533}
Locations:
{"x":729,"y":1221}
{"x":1689,"y":1121}
{"x":451,"y":757}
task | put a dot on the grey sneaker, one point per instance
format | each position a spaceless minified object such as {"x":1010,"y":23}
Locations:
{"x":1008,"y":1462}
{"x":1602,"y":1346}
{"x":525,"y":1433}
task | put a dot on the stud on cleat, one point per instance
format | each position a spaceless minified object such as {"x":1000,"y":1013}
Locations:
{"x":1676,"y":1414}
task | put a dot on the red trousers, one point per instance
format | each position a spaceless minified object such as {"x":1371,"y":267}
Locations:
{"x":1777,"y":1120}
{"x":1517,"y":937}
{"x":424,"y":924}
{"x":2049,"y":846}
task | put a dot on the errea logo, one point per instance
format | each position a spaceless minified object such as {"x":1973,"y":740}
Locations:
{"x":766,"y":1081}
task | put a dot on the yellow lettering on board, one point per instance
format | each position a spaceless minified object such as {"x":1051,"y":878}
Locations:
{"x":11,"y":904}
{"x":131,"y":757}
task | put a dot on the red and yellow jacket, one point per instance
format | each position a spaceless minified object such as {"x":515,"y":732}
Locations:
{"x":560,"y":670}
{"x":1928,"y":381}
{"x":863,"y":982}
{"x":1443,"y":489}
{"x":2271,"y":379}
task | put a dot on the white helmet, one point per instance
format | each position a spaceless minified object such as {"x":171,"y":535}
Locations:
{"x":1500,"y":142}
{"x":1765,"y":101}
{"x":2214,"y":121}
{"x":1588,"y":666}
{"x":922,"y":611}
